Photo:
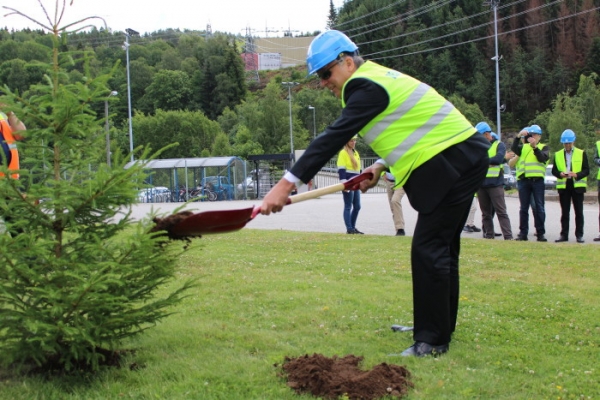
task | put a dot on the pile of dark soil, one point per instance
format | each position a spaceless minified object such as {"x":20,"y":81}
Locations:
{"x":331,"y":378}
{"x":166,"y":224}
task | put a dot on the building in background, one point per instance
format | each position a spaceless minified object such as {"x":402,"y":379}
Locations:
{"x":275,"y":52}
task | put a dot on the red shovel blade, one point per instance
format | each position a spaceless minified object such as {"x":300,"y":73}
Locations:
{"x":208,"y":222}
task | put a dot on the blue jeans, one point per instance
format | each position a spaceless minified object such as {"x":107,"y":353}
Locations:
{"x":532,"y":190}
{"x":351,"y":208}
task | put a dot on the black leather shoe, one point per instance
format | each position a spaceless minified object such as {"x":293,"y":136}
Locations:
{"x":350,"y":232}
{"x":358,"y":232}
{"x":521,"y":238}
{"x":541,"y":238}
{"x":467,"y":229}
{"x":497,"y":234}
{"x":580,"y":240}
{"x":597,"y":239}
{"x":400,"y":232}
{"x":561,"y":239}
{"x":473,"y":228}
{"x":422,"y":349}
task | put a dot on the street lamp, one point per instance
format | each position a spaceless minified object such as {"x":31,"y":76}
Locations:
{"x":289,"y":85}
{"x":113,"y":93}
{"x":128,"y":33}
{"x":496,"y":58}
{"x":314,"y":122}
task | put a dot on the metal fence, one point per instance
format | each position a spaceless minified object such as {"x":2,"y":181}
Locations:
{"x":329,"y":175}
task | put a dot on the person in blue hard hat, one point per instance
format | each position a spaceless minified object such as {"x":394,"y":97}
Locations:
{"x":531,"y":169}
{"x":429,"y":147}
{"x":571,"y":169}
{"x":491,"y":193}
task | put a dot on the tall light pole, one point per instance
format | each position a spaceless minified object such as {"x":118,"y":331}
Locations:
{"x":113,"y":93}
{"x":289,"y":85}
{"x":128,"y":33}
{"x":494,"y":4}
{"x":314,"y":122}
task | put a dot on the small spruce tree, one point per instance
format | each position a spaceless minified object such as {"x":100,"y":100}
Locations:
{"x":77,"y":274}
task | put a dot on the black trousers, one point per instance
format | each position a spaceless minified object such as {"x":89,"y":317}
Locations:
{"x":566,"y":197}
{"x":443,"y":202}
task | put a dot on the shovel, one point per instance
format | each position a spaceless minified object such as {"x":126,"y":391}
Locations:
{"x":224,"y":221}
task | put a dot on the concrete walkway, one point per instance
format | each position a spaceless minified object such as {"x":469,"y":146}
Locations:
{"x":325,"y":215}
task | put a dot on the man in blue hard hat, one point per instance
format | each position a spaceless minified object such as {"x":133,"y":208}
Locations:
{"x":432,"y":150}
{"x":571,"y":169}
{"x":531,"y":169}
{"x":491,"y":193}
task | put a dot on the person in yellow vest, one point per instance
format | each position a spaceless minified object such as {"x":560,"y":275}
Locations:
{"x":531,"y":169}
{"x":432,"y":150}
{"x":491,"y":193}
{"x":395,"y":195}
{"x":597,"y":162}
{"x":571,"y":169}
{"x":348,"y":164}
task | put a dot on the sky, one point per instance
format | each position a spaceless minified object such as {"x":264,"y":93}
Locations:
{"x":144,"y":16}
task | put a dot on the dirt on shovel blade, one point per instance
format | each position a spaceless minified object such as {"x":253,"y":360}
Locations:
{"x":167,"y":224}
{"x":331,"y":378}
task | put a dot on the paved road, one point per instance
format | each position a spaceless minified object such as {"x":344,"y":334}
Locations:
{"x":325,"y":215}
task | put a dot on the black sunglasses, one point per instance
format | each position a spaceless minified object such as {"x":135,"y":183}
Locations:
{"x":324,"y":75}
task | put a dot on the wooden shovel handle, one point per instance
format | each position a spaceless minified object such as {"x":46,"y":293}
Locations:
{"x":350,"y":184}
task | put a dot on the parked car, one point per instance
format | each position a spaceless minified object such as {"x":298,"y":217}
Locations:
{"x":549,"y":179}
{"x":158,"y":194}
{"x":510,"y":181}
{"x":248,"y":186}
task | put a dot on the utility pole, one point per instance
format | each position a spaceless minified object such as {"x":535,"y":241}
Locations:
{"x":289,"y":85}
{"x":107,"y":127}
{"x":496,"y":58}
{"x":129,"y":32}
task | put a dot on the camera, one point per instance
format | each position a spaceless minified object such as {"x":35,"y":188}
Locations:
{"x":526,"y":137}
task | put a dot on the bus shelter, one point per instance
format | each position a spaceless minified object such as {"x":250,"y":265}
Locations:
{"x":187,"y":178}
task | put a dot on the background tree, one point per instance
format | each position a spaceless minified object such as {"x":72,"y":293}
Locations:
{"x":193,"y":131}
{"x":169,"y":90}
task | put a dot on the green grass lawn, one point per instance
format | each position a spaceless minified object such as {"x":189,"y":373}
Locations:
{"x":529,"y":321}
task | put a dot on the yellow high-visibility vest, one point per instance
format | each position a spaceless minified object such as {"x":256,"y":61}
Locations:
{"x":493,"y":170}
{"x":530,"y":165}
{"x":576,"y":166}
{"x":417,"y":124}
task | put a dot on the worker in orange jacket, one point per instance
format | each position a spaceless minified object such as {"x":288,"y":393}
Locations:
{"x":9,"y":126}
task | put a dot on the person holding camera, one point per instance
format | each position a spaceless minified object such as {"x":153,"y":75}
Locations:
{"x":531,"y":169}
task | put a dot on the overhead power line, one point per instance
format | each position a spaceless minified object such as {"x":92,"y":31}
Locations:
{"x":485,"y":37}
{"x":466,"y":30}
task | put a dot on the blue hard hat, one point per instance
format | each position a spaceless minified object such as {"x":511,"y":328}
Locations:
{"x":535,"y":129}
{"x":568,"y":136}
{"x":326,"y":47}
{"x":483,"y":127}
{"x":495,"y":136}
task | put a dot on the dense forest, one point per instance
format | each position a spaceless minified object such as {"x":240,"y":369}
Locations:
{"x":190,"y":87}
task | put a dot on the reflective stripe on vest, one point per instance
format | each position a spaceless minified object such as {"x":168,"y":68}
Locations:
{"x":493,"y":170}
{"x":532,"y":168}
{"x":519,"y":168}
{"x":598,"y":149}
{"x":417,"y":124}
{"x":7,"y":136}
{"x":576,"y":165}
